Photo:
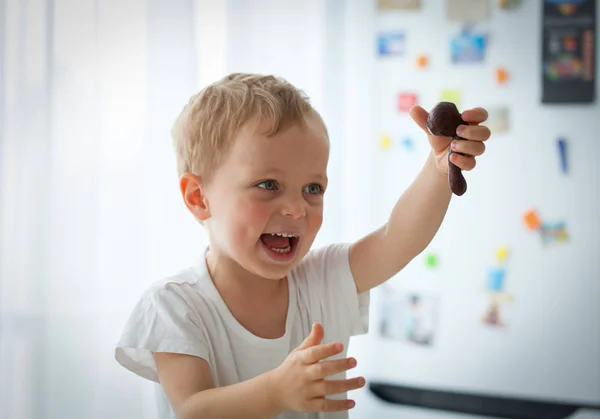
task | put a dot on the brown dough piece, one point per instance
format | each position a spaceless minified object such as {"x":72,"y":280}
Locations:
{"x":443,"y":120}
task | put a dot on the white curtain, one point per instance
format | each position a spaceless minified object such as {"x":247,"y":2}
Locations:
{"x":90,"y":212}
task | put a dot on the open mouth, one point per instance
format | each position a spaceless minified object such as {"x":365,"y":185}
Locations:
{"x":281,"y":243}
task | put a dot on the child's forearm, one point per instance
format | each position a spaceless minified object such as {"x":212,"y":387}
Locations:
{"x":251,"y":399}
{"x":420,"y":210}
{"x":415,"y":219}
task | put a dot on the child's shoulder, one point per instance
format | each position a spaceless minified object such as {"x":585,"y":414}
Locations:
{"x":168,"y":317}
{"x":323,"y":259}
{"x":180,"y":285}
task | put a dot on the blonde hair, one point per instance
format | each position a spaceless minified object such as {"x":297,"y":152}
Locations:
{"x":204,"y":131}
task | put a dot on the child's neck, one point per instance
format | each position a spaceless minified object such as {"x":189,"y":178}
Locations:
{"x":233,"y":280}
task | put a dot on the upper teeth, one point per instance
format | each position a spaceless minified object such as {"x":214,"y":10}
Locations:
{"x":283,"y":235}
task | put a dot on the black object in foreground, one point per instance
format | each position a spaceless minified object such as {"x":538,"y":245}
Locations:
{"x":475,"y":404}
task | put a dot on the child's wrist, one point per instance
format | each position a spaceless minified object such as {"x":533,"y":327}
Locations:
{"x":273,"y":391}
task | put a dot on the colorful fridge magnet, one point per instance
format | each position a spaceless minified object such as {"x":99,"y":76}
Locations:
{"x":387,"y":5}
{"x":410,"y":317}
{"x":431,"y":260}
{"x":407,"y":144}
{"x":554,"y":232}
{"x":497,"y":296}
{"x":391,"y":44}
{"x":422,"y":62}
{"x":502,"y":76}
{"x":384,"y":142}
{"x":568,"y":67}
{"x":550,"y":232}
{"x":567,"y":8}
{"x":406,"y":101}
{"x":562,"y":153}
{"x":468,"y":47}
{"x":467,"y":10}
{"x":497,"y":120}
{"x":495,"y":313}
{"x":508,"y":4}
{"x":532,"y":220}
{"x":501,"y":254}
{"x":496,"y":273}
{"x":496,"y":279}
{"x":451,"y":96}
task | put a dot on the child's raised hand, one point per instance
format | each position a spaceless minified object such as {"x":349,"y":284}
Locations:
{"x":470,"y":145}
{"x":299,"y":382}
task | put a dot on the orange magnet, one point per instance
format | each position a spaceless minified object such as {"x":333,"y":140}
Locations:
{"x":422,"y":61}
{"x":501,"y":76}
{"x":532,"y":220}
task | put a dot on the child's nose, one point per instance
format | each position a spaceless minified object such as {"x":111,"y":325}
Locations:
{"x":294,"y":208}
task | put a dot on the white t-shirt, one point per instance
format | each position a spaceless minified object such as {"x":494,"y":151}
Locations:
{"x":186,"y":314}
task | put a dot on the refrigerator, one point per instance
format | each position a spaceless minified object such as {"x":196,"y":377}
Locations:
{"x":500,"y":315}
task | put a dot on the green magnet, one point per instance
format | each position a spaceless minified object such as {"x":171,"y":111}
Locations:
{"x":431,"y":260}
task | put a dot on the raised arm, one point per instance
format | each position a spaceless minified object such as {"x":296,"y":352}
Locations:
{"x":419,"y":212}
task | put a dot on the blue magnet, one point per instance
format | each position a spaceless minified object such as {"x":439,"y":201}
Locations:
{"x":496,"y":279}
{"x":562,"y":150}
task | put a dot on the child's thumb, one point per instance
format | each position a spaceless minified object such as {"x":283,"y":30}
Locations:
{"x":315,"y":337}
{"x":419,"y":115}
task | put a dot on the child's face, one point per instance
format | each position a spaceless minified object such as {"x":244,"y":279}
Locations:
{"x":266,"y":189}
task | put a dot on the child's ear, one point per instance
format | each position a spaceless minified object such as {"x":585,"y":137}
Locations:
{"x":192,"y":191}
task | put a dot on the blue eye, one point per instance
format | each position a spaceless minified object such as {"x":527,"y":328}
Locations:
{"x":313,"y":189}
{"x":269,"y":185}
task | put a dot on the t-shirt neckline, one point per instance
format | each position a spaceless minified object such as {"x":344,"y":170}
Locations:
{"x":210,"y":288}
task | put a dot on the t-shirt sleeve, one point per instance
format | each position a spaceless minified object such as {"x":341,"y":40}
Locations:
{"x":161,"y":321}
{"x":338,"y":300}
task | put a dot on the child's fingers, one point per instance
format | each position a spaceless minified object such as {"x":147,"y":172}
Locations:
{"x":473,"y":148}
{"x":315,"y":337}
{"x":474,"y":132}
{"x":476,"y":115}
{"x":316,"y":353}
{"x":463,"y":162}
{"x":321,"y":404}
{"x":325,"y":369}
{"x":419,"y":115}
{"x":328,"y":387}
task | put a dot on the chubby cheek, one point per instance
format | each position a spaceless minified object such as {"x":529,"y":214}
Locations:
{"x":251,"y":219}
{"x":314,"y":221}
